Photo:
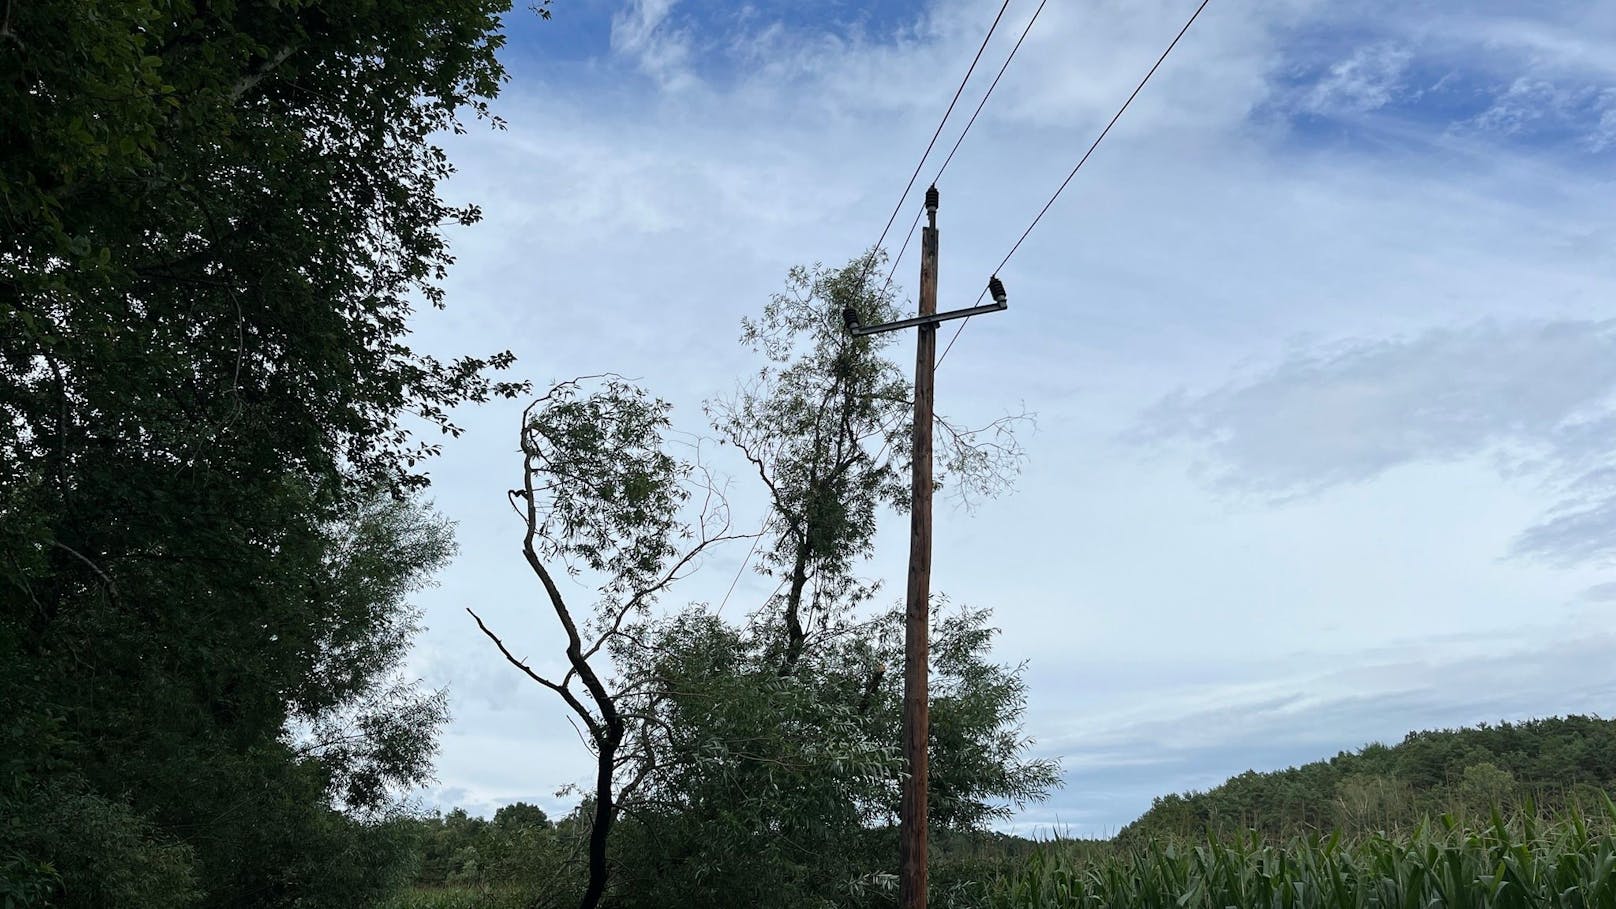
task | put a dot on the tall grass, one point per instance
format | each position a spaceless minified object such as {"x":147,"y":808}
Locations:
{"x":1568,"y":864}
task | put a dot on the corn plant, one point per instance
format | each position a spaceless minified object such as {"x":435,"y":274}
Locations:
{"x":1443,"y":864}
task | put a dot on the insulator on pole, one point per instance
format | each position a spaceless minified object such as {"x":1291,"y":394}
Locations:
{"x":996,"y":290}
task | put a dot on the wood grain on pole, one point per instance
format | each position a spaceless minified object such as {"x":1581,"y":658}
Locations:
{"x":916,"y":720}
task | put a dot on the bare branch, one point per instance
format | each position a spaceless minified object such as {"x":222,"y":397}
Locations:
{"x":566,"y":694}
{"x":111,"y":587}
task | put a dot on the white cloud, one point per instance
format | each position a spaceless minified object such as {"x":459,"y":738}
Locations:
{"x":1537,"y":397}
{"x":1366,"y":81}
{"x":1603,"y":134}
{"x":662,"y":52}
{"x":1531,"y":102}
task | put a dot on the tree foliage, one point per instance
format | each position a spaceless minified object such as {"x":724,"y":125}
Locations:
{"x":826,"y":424}
{"x":800,"y":772}
{"x":1548,"y":763}
{"x":214,"y":222}
{"x":774,"y":739}
{"x":777,"y":738}
{"x":601,"y":494}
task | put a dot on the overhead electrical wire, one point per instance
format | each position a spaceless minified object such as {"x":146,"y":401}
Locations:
{"x":1079,"y":165}
{"x":939,"y":131}
{"x":957,"y":142}
{"x":899,"y":207}
{"x":758,"y":538}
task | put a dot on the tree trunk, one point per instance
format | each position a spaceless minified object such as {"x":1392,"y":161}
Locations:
{"x":796,"y":637}
{"x":605,"y":814}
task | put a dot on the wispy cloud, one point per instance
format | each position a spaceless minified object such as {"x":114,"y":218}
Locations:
{"x":662,"y":51}
{"x":1392,"y":71}
{"x":1367,"y":80}
{"x":1536,"y":397}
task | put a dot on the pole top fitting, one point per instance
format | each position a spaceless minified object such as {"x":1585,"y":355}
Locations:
{"x":996,"y":290}
{"x":931,"y":198}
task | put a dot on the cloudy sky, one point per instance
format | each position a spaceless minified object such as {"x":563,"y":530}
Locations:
{"x":1320,"y":342}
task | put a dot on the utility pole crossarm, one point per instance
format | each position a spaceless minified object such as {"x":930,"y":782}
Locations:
{"x":917,"y":321}
{"x":999,"y":304}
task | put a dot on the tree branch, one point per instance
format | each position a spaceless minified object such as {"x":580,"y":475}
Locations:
{"x":566,"y":694}
{"x":246,"y":83}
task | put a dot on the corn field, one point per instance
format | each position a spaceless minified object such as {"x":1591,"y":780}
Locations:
{"x":1525,"y":865}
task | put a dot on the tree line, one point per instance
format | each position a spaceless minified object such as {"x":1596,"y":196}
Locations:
{"x":1550,"y":765}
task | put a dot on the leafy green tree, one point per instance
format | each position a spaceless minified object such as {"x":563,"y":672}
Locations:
{"x":826,"y":424}
{"x":226,"y":784}
{"x":777,"y":740}
{"x":757,"y":788}
{"x":1485,"y":786}
{"x":215,"y":221}
{"x":519,"y":816}
{"x":600,"y":494}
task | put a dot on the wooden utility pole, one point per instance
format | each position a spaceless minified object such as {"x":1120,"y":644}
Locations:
{"x":917,"y":614}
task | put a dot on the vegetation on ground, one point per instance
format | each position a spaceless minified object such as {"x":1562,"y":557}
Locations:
{"x":1493,"y":846}
{"x":1569,"y":863}
{"x":1555,"y":763}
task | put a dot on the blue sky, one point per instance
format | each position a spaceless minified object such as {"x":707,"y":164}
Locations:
{"x":1320,"y":344}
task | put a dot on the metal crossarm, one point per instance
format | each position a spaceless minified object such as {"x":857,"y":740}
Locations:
{"x":1000,"y":302}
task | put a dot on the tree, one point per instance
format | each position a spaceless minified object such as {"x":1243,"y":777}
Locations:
{"x":214,"y":223}
{"x":826,"y":425}
{"x":521,"y":816}
{"x":799,"y":773}
{"x":213,"y":775}
{"x":777,"y":739}
{"x":774,"y":740}
{"x":600,"y":494}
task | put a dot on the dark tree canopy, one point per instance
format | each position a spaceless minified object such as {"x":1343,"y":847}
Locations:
{"x":214,"y":222}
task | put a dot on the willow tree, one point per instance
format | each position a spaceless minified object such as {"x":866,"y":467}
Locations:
{"x":602,"y":496}
{"x":763,"y":753}
{"x":825,"y":423}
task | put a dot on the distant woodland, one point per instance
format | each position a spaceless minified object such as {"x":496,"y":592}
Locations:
{"x":1544,"y":765}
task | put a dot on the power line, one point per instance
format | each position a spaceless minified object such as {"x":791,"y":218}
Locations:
{"x":746,"y":561}
{"x":989,"y":93}
{"x":1080,"y":162}
{"x":1103,"y":133}
{"x":907,"y":187}
{"x":968,"y":124}
{"x":939,"y":131}
{"x":904,"y":248}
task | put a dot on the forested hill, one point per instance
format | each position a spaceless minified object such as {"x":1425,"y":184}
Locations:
{"x":1552,"y":762}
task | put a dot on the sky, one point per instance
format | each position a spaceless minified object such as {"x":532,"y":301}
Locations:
{"x":1320,"y":344}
